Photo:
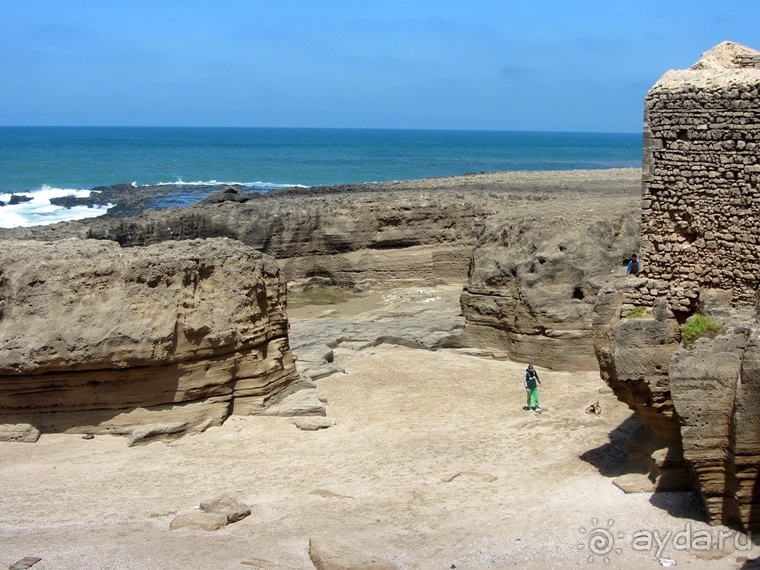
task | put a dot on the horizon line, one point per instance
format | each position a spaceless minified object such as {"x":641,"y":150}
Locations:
{"x":315,"y":128}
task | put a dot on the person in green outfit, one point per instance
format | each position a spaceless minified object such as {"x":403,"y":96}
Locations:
{"x":531,"y":382}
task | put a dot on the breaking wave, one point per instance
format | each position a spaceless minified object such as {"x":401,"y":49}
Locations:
{"x":34,"y":208}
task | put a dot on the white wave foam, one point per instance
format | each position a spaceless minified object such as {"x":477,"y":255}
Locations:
{"x":272,"y":185}
{"x":259,"y":184}
{"x":40,"y":212}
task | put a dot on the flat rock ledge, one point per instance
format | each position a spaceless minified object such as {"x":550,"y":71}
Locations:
{"x":313,"y":423}
{"x":328,"y":555}
{"x":198,"y":520}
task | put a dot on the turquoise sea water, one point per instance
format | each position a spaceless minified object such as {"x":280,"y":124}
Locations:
{"x":46,"y":161}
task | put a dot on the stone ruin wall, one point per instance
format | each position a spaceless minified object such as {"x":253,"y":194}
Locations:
{"x":701,"y":186}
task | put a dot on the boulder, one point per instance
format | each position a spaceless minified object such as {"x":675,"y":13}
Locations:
{"x":150,"y":342}
{"x":25,"y":433}
{"x":228,"y":194}
{"x":233,"y":508}
{"x":198,"y":520}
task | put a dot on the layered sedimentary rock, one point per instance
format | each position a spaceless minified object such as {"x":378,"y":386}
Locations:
{"x":544,"y":243}
{"x":356,"y":236}
{"x":533,"y":279}
{"x":701,"y":250}
{"x":699,"y":401}
{"x":395,"y":233}
{"x":154,"y":341}
{"x":416,"y":233}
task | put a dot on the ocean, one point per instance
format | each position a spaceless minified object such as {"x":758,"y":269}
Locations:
{"x":39,"y":163}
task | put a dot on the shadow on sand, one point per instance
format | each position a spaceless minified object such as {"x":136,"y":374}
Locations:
{"x":612,"y":460}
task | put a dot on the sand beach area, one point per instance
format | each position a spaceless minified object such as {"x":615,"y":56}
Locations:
{"x":431,"y":463}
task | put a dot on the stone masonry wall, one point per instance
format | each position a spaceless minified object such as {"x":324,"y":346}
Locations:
{"x":701,"y":181}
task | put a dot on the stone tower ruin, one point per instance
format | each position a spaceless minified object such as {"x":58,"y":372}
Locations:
{"x":701,"y":181}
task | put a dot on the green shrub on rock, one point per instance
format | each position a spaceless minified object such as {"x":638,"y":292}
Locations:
{"x":638,"y":311}
{"x":698,"y":325}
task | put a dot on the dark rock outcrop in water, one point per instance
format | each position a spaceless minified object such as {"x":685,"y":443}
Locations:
{"x":151,"y":342}
{"x":18,"y":199}
{"x":699,"y":398}
{"x":126,"y":199}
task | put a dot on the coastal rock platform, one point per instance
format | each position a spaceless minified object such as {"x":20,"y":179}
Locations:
{"x":531,"y":248}
{"x":426,"y":457}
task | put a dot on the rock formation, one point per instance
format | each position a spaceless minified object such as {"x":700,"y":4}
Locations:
{"x":533,"y":279}
{"x":353,"y":237}
{"x":212,"y":514}
{"x":418,"y":232}
{"x":701,"y":254}
{"x":151,"y":342}
{"x":358,"y":237}
{"x":329,"y":555}
{"x":531,"y":301}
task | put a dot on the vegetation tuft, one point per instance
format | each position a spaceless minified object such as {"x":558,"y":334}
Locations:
{"x":638,"y":311}
{"x":699,"y":325}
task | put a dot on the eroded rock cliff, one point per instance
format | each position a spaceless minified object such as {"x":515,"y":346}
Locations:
{"x":698,"y":401}
{"x":161,"y":340}
{"x":416,"y":233}
{"x":534,"y":276}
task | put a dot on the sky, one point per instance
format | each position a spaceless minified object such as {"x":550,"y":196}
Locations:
{"x":536,"y":65}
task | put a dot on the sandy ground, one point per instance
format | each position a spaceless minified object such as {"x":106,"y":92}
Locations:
{"x":432,"y":464}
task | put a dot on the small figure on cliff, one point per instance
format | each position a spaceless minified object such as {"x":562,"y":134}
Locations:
{"x":633,"y":267}
{"x":531,"y":382}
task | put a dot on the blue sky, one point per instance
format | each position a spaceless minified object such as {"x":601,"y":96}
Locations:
{"x":555,"y":65}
